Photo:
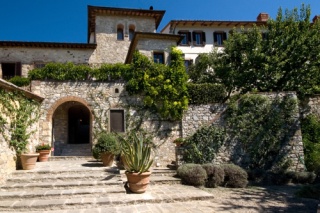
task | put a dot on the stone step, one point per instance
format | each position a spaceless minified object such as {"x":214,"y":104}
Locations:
{"x":154,"y":194}
{"x":48,"y":193}
{"x":47,"y":177}
{"x":78,"y":182}
{"x":60,"y":185}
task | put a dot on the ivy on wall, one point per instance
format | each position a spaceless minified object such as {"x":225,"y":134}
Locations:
{"x":205,"y":93}
{"x":18,"y":113}
{"x":163,"y":88}
{"x":262,"y":125}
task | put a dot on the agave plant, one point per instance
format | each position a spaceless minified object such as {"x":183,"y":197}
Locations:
{"x":136,"y":150}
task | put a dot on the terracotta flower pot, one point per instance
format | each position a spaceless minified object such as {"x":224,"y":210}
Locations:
{"x":44,"y":155}
{"x":107,"y":158}
{"x":29,"y":160}
{"x":138,"y":183}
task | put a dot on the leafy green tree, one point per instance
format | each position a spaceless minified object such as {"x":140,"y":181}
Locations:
{"x":282,"y":56}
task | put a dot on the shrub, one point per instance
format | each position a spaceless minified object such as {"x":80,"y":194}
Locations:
{"x":215,"y":175}
{"x":206,"y":93}
{"x":203,"y":145}
{"x":107,"y":142}
{"x":311,"y":141}
{"x":235,"y":176}
{"x":192,"y":174}
{"x":309,"y":191}
{"x":301,"y":177}
{"x":19,"y":81}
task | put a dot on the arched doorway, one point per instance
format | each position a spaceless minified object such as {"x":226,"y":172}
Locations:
{"x":71,"y":129}
{"x":78,"y":125}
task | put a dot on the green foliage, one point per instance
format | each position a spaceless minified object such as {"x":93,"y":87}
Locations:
{"x":192,"y":174}
{"x":206,"y":93}
{"x":107,"y":142}
{"x":309,"y":191}
{"x":235,"y":176}
{"x":18,"y":113}
{"x":261,"y":126}
{"x":286,"y":59}
{"x":311,"y":141}
{"x":136,"y":150}
{"x":215,"y":175}
{"x":163,"y":87}
{"x":19,"y":81}
{"x":203,"y":145}
{"x":43,"y":147}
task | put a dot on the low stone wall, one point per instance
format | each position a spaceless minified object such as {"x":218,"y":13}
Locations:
{"x":7,"y":161}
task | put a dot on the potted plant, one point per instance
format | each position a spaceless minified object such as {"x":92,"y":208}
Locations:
{"x":178,"y":142}
{"x":136,"y":149}
{"x":44,"y":152}
{"x":106,"y":148}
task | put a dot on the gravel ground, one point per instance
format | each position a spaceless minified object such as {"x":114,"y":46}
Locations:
{"x":261,"y":199}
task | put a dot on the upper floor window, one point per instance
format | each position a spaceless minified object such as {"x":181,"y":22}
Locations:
{"x":131,"y":32}
{"x":120,"y":35}
{"x":186,"y":37}
{"x":158,"y":57}
{"x":219,"y":37}
{"x":187,"y":64}
{"x":199,"y":38}
{"x":9,"y":70}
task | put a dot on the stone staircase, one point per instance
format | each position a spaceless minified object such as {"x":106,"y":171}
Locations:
{"x":87,"y":186}
{"x":74,"y":150}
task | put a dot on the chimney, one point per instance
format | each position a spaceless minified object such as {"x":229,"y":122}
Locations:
{"x":315,"y":18}
{"x":263,"y":17}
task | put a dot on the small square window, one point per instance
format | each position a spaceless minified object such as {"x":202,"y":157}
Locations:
{"x":158,"y":58}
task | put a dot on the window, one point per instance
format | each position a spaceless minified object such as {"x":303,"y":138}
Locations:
{"x":199,"y":38}
{"x":264,"y":35}
{"x":219,"y":37}
{"x":131,"y":32}
{"x":158,"y":58}
{"x":39,"y":65}
{"x":186,"y":38}
{"x":117,"y":120}
{"x":120,"y":35}
{"x":187,"y":64}
{"x":10,"y":70}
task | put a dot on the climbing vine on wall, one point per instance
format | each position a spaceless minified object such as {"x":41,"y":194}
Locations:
{"x":261,"y":125}
{"x":164,"y":88}
{"x":18,"y":114}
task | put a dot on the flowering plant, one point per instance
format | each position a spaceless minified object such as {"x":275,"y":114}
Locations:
{"x":43,"y":147}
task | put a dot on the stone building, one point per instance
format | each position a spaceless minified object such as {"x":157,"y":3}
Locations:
{"x":70,"y":110}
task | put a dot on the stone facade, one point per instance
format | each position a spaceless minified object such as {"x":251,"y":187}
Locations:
{"x":99,"y":98}
{"x":7,"y":160}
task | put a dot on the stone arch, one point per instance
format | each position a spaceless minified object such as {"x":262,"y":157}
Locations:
{"x":51,"y":128}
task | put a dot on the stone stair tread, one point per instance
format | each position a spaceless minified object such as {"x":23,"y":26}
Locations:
{"x":66,"y":184}
{"x":164,"y":194}
{"x":59,"y":177}
{"x":49,"y":193}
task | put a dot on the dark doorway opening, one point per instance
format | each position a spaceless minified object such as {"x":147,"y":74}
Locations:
{"x":79,"y":125}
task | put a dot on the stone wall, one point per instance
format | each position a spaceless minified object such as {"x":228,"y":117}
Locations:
{"x":111,"y":50}
{"x":7,"y":160}
{"x":28,"y":56}
{"x":197,"y":116}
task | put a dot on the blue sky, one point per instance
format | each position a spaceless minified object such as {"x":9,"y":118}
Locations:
{"x":66,"y":20}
